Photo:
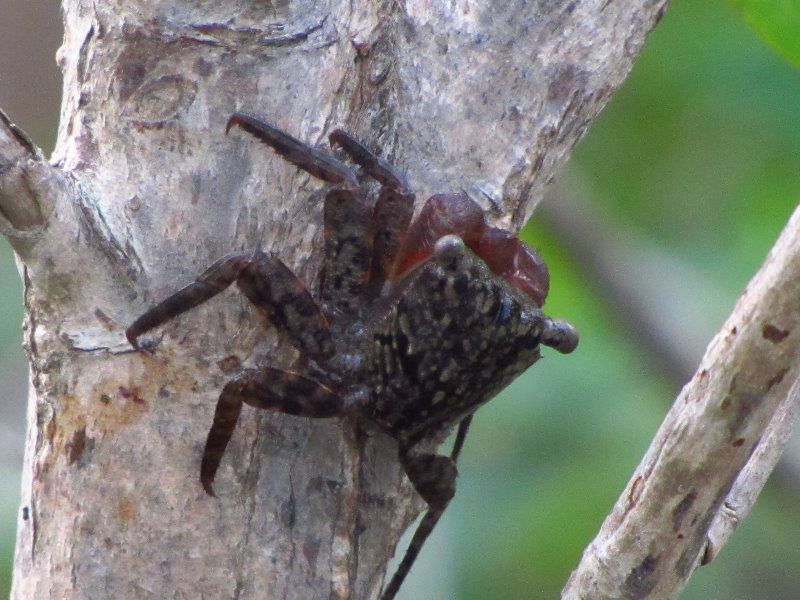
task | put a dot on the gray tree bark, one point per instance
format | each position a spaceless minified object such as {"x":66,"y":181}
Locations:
{"x":144,"y":190}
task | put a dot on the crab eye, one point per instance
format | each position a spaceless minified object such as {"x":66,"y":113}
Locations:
{"x":515,"y":261}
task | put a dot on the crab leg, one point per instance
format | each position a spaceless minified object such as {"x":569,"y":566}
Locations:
{"x":275,"y":390}
{"x":392,"y":215}
{"x":434,"y":478}
{"x":267,"y":283}
{"x":215,"y":279}
{"x":461,"y":435}
{"x":375,"y":167}
{"x":315,"y":162}
{"x":348,"y":250}
{"x":421,"y":534}
{"x":436,"y":483}
{"x":393,"y":210}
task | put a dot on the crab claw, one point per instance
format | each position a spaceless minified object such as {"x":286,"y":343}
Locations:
{"x":515,"y":261}
{"x":442,"y":214}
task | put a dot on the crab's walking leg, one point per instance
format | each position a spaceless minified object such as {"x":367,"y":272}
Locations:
{"x":461,"y":435}
{"x":434,"y":478}
{"x":276,"y":390}
{"x":348,"y":226}
{"x":313,"y":161}
{"x":392,"y":216}
{"x":213,"y":281}
{"x":375,"y":167}
{"x":348,"y":250}
{"x":267,"y":283}
{"x":426,"y":468}
{"x":393,"y":210}
{"x":272,"y":287}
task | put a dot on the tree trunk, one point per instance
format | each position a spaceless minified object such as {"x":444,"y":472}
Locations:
{"x":145,"y":190}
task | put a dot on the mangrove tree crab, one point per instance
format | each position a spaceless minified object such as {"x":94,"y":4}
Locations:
{"x":417,"y":322}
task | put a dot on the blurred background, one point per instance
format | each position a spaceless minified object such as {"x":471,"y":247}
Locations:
{"x":667,"y":208}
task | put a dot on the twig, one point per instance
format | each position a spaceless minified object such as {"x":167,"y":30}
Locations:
{"x":656,"y":533}
{"x":751,"y":480}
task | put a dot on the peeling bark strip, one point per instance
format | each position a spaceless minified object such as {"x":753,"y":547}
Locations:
{"x":714,"y":449}
{"x":144,"y":189}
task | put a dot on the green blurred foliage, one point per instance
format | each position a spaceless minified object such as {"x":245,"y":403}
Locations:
{"x":698,"y":153}
{"x":10,"y":341}
{"x":777,"y":22}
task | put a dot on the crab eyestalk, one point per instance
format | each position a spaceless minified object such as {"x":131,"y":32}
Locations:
{"x":560,"y":336}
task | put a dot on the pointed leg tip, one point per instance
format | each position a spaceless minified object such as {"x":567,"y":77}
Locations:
{"x":234,"y":119}
{"x":131,"y":336}
{"x":208,"y":487}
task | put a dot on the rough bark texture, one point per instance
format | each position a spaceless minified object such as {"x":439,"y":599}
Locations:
{"x":145,"y":190}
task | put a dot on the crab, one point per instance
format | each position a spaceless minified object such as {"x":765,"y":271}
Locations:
{"x":417,"y":323}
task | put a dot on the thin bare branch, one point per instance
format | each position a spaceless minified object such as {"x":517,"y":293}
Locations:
{"x":656,"y":534}
{"x":752,"y":478}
